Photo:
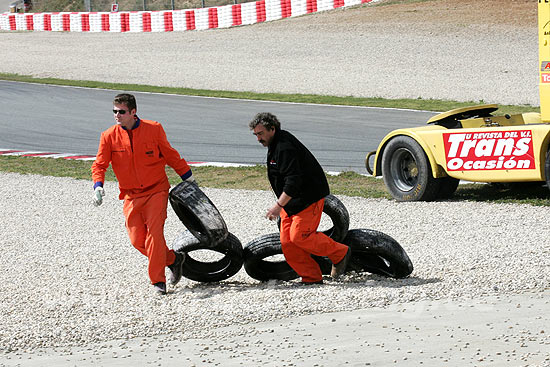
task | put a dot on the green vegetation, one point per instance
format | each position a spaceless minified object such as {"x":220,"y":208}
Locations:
{"x":531,"y":193}
{"x":254,"y":178}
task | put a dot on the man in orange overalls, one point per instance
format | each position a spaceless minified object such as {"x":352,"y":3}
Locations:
{"x":139,"y":152}
{"x":301,"y":186}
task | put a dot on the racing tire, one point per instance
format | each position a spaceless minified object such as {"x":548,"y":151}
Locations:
{"x":339,"y":216}
{"x":375,"y":252}
{"x":406,"y":171}
{"x":547,"y":168}
{"x":215,"y":271}
{"x":447,"y":187}
{"x":256,"y":266}
{"x":197,"y":213}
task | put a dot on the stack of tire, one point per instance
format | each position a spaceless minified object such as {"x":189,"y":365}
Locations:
{"x":372,"y":251}
{"x":206,"y":230}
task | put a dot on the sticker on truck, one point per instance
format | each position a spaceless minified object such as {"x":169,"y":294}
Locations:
{"x":495,"y":150}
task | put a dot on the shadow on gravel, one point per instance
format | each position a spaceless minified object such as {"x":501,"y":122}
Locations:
{"x":381,"y":282}
{"x":353,"y":280}
{"x":533,"y":193}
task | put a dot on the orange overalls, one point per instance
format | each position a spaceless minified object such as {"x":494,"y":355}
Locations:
{"x":139,"y":157}
{"x":299,"y":239}
{"x":292,"y":169}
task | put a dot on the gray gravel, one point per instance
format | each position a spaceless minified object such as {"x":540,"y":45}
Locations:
{"x":343,"y":53}
{"x":70,"y":276}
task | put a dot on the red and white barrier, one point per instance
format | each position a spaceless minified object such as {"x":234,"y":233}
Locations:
{"x":170,"y":20}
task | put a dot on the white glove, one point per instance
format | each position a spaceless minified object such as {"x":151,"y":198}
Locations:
{"x":191,"y":179}
{"x":99,"y":193}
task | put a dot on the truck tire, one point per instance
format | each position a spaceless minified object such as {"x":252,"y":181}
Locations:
{"x":406,"y":171}
{"x":197,"y":212}
{"x":203,"y":271}
{"x":447,"y":187}
{"x":260,"y":248}
{"x":375,"y":252}
{"x":547,"y":168}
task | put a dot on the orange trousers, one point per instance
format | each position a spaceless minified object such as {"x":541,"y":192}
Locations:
{"x":145,"y":217}
{"x":300,"y":240}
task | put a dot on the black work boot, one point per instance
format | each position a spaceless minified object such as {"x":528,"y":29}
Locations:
{"x":160,"y":288}
{"x":340,"y":268}
{"x":176,"y":268}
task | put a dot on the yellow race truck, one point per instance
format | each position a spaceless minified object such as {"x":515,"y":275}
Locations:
{"x":471,"y":144}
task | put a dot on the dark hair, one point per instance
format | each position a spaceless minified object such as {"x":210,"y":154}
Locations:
{"x":127,"y":99}
{"x":268,"y":120}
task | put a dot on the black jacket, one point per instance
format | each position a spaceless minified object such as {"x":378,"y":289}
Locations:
{"x":293,"y":169}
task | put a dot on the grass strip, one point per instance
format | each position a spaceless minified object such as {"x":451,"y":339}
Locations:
{"x":255,"y":178}
{"x":415,"y":104}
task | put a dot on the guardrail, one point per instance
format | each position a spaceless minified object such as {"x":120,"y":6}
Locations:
{"x":170,"y":20}
{"x":17,"y":5}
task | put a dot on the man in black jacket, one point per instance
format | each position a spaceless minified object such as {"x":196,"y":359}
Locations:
{"x":300,"y":185}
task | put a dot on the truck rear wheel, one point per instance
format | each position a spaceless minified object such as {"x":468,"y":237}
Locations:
{"x":447,"y":187}
{"x":406,"y":171}
{"x":547,"y":168}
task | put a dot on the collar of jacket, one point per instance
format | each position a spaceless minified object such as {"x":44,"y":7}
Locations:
{"x":275,"y":140}
{"x":136,"y":124}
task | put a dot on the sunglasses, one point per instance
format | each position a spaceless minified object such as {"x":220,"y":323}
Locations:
{"x":122,"y":112}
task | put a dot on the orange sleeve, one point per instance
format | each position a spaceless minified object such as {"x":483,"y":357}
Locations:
{"x":171,"y":156}
{"x":102,"y":160}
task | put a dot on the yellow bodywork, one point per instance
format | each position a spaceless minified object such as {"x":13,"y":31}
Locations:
{"x":544,"y":59}
{"x":431,"y":140}
{"x":473,"y":145}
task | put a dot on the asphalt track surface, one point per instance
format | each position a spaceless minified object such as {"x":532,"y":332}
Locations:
{"x":45,"y":118}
